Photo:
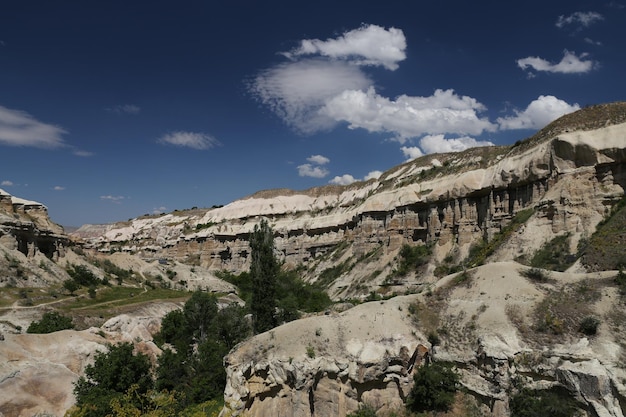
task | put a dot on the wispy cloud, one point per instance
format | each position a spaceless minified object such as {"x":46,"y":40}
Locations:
{"x":538,"y":114}
{"x":569,"y":64}
{"x":367,"y":45}
{"x":296,"y":91}
{"x":6,"y":183}
{"x":194,"y":140}
{"x":114,"y":199}
{"x":58,"y":188}
{"x":83,"y":153}
{"x":124,"y":109}
{"x":579,"y":19}
{"x":18,"y":128}
{"x":159,"y":210}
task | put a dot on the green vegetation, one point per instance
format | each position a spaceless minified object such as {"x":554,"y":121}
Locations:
{"x":112,"y":374}
{"x":554,"y":255}
{"x":540,"y":403}
{"x":565,"y":311}
{"x":620,"y":280}
{"x":589,"y":325}
{"x":51,"y":322}
{"x":604,"y":250}
{"x":479,"y":253}
{"x":201,"y":336}
{"x":434,"y":388}
{"x":263,"y":271}
{"x":329,"y":275}
{"x":364,"y":410}
{"x":411,"y":258}
{"x":535,"y":274}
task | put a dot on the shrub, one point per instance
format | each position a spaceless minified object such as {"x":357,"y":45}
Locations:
{"x":364,"y":410}
{"x":540,"y":403}
{"x":434,"y":388}
{"x":589,"y":325}
{"x":535,"y":274}
{"x":412,"y":257}
{"x":51,"y":322}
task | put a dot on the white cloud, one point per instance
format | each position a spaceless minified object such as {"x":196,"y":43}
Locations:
{"x":372,"y":175}
{"x":406,"y":117}
{"x":7,"y":183}
{"x":570,"y":64}
{"x":439,"y":144}
{"x":114,"y":199}
{"x":584,"y":19}
{"x":411,"y":152}
{"x":296,"y":91}
{"x":538,"y":114}
{"x":592,"y":42}
{"x":124,"y":109}
{"x":367,"y":45}
{"x":200,"y":141}
{"x":83,"y":153}
{"x":318,"y":159}
{"x":308,"y":170}
{"x":159,"y":210}
{"x":345,"y":179}
{"x":58,"y":188}
{"x":18,"y":128}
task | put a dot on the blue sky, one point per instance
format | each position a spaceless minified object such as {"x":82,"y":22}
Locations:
{"x":111,"y":110}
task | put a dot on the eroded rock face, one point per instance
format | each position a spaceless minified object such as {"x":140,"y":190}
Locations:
{"x":25,"y":226}
{"x":450,"y":201}
{"x":327,"y":365}
{"x":38,"y":371}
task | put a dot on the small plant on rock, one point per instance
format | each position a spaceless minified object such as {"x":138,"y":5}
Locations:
{"x":589,"y":325}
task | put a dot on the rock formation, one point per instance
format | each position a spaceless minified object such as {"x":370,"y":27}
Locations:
{"x":571,"y":173}
{"x":327,"y":365}
{"x":25,"y":226}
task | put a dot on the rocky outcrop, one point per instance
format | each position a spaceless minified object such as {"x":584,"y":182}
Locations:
{"x":449,"y":201}
{"x":26,"y":227}
{"x":38,"y":371}
{"x":328,"y":365}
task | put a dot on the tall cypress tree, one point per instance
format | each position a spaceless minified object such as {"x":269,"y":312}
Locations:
{"x":263,"y":272}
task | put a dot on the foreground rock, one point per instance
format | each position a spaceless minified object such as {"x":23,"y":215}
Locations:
{"x":38,"y":371}
{"x":487,"y":323}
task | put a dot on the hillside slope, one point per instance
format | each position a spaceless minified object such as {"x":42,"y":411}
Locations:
{"x":570,"y":174}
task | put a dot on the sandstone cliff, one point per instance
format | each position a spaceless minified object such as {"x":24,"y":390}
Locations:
{"x":571,"y":173}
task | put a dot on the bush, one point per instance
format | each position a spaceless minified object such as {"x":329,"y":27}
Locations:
{"x":589,"y":325}
{"x":536,"y":274}
{"x":412,"y":257}
{"x":51,"y":322}
{"x":434,"y":388}
{"x":541,"y":403}
{"x":364,"y":410}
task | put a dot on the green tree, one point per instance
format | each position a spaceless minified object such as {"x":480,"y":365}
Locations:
{"x":539,"y":403}
{"x":71,"y":286}
{"x":111,"y":375}
{"x":51,"y":322}
{"x":263,"y":271}
{"x":434,"y":388}
{"x":200,"y":311}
